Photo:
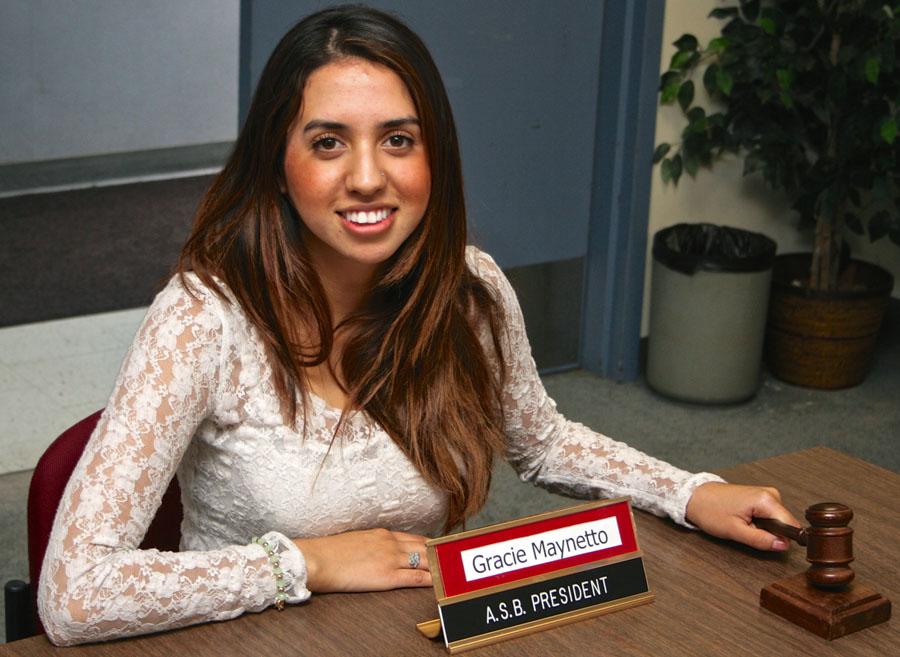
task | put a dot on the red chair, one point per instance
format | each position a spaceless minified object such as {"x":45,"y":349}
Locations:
{"x":51,"y":474}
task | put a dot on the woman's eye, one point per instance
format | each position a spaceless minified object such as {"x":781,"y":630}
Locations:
{"x":399,"y":141}
{"x":325,"y":144}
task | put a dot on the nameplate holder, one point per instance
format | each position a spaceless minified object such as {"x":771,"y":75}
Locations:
{"x":531,"y":574}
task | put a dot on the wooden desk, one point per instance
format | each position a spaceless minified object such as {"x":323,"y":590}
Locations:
{"x":706,"y":593}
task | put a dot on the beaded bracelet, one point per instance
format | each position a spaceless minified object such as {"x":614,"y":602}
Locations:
{"x":280,"y":582}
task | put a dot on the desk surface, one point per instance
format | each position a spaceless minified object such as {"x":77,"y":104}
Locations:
{"x":706,"y":593}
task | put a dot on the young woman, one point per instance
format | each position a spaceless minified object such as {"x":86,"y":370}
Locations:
{"x":332,"y":369}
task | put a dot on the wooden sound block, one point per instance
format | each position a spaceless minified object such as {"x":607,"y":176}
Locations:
{"x":830,"y":614}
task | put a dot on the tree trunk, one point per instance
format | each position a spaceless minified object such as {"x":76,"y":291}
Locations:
{"x":827,"y":248}
{"x":820,"y":271}
{"x":826,"y":260}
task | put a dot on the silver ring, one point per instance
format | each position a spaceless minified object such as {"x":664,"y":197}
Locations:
{"x":413,"y":558}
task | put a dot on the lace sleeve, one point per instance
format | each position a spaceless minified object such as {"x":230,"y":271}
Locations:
{"x":95,"y":583}
{"x":568,"y":457}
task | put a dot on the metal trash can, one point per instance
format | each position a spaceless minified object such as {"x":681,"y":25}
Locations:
{"x":708,"y":305}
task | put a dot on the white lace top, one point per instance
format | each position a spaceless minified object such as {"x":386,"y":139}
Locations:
{"x":195,"y":395}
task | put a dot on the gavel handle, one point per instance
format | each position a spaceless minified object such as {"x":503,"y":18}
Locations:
{"x":782,"y":529}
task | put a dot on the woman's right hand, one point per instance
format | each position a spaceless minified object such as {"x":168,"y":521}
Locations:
{"x":368,"y":560}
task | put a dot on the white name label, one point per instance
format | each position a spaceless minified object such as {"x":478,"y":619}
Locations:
{"x":537,"y":549}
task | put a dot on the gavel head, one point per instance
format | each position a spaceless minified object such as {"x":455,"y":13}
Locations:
{"x":829,"y":547}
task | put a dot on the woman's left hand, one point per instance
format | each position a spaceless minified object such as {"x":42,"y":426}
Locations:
{"x":726,"y":511}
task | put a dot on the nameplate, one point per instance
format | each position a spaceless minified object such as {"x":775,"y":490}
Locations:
{"x":531,"y":574}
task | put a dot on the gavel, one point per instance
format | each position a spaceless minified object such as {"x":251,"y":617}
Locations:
{"x":827,"y":599}
{"x":828,"y":541}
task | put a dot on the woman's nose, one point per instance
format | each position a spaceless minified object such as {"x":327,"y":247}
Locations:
{"x":365,"y":176}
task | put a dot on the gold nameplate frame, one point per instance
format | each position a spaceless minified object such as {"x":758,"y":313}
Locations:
{"x":530,"y":574}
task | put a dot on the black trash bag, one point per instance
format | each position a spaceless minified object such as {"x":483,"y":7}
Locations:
{"x":691,"y":247}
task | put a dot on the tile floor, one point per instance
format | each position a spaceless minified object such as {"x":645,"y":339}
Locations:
{"x":54,"y":373}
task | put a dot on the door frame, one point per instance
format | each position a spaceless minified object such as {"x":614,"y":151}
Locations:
{"x":620,"y":199}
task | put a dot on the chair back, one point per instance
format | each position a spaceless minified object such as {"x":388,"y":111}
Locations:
{"x":51,"y":474}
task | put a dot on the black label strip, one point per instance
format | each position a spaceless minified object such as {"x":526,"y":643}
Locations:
{"x":550,"y":597}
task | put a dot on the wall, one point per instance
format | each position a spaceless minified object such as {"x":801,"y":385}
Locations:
{"x":86,"y":77}
{"x":721,"y":195}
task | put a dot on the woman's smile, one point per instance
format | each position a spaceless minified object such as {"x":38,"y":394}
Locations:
{"x":368,"y":222}
{"x":367,"y":216}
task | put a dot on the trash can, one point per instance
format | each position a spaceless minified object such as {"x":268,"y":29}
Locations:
{"x":708,"y":304}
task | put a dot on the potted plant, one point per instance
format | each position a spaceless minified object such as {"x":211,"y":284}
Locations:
{"x":809,"y":94}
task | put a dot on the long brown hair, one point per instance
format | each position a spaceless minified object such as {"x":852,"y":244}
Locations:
{"x":412,"y":358}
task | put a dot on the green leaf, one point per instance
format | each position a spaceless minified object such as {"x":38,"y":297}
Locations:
{"x":785,"y":78}
{"x":668,"y":85}
{"x":660,"y":152}
{"x":786,"y":99}
{"x":687,"y":42}
{"x":717,"y":120}
{"x":723,"y":12}
{"x":879,"y":225}
{"x":709,"y":79}
{"x":706,"y":155}
{"x":873,"y":67}
{"x":669,"y":77}
{"x":669,"y":93}
{"x":691,"y":165}
{"x":767,"y":25}
{"x":889,"y":131}
{"x":680,"y":60}
{"x":724,"y":81}
{"x":686,"y":95}
{"x":696,"y":113}
{"x":676,"y":168}
{"x":718,"y":45}
{"x":696,"y":120}
{"x":665,"y":170}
